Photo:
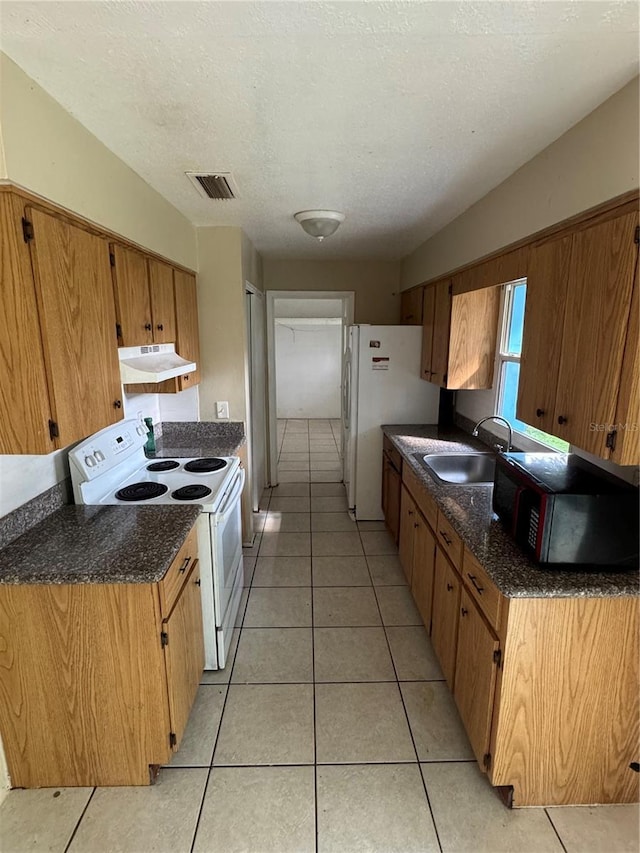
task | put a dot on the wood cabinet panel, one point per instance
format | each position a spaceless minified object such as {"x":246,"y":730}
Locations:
{"x":184,"y":652}
{"x":603,"y":261}
{"x":424,"y":563}
{"x":449,"y":540}
{"x":188,"y":335}
{"x":543,"y":328}
{"x":131,"y":288}
{"x":411,"y":307}
{"x":24,"y":395}
{"x":408,"y":517}
{"x":482,"y":589}
{"x":444,"y":616}
{"x":163,"y":311}
{"x":391,"y":498}
{"x":173,"y":581}
{"x":428,"y":317}
{"x":83,"y":696}
{"x":475,"y":682}
{"x":473,"y":339}
{"x":78,"y":322}
{"x":441,"y":329}
{"x":421,"y":496}
{"x":626,"y":449}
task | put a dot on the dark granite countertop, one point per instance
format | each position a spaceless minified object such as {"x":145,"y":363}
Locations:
{"x":469,"y":510}
{"x":98,"y":544}
{"x":202,"y":438}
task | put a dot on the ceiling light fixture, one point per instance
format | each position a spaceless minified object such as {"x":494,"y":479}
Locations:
{"x":319,"y":223}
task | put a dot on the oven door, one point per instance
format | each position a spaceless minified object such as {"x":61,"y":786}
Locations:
{"x":226,"y":546}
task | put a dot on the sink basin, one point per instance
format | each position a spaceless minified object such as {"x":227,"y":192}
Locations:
{"x":462,"y":468}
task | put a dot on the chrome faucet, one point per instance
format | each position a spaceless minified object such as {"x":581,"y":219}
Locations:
{"x":500,"y":447}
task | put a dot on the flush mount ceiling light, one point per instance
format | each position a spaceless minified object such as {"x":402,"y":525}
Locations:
{"x":319,"y":223}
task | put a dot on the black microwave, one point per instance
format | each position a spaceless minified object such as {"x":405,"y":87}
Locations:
{"x":561,"y":509}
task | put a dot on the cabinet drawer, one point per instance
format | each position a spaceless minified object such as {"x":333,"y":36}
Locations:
{"x":421,"y":496}
{"x":482,"y":589}
{"x":449,"y":540}
{"x":395,"y":457}
{"x":172,"y":582}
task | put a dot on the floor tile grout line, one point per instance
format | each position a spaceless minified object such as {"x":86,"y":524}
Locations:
{"x":80,"y":819}
{"x":313,"y":694}
{"x":406,"y":713}
{"x":553,"y":826}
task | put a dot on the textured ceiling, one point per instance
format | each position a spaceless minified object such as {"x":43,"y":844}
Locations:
{"x":401,"y":115}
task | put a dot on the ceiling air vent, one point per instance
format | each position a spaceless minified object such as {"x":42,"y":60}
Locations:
{"x":219,"y":186}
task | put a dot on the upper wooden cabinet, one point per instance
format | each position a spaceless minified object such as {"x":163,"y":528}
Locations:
{"x":411,"y":307}
{"x":626,"y":446}
{"x":187,"y":333}
{"x":145,"y":305}
{"x":24,"y":396}
{"x":459,"y":336}
{"x":578,"y":321}
{"x":78,"y":326}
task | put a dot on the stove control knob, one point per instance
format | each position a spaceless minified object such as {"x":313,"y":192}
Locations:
{"x":99,"y":456}
{"x":90,"y":461}
{"x":141,"y":430}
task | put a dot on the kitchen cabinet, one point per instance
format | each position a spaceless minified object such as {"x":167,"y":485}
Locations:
{"x":411,"y":307}
{"x":417,"y":543}
{"x":143,"y":288}
{"x":408,"y":517}
{"x":573,"y":380}
{"x":626,"y":444}
{"x":424,"y":564}
{"x":96,"y":680}
{"x":459,"y":336}
{"x":25,"y":411}
{"x":77,"y":324}
{"x":477,"y":659}
{"x":391,"y":485}
{"x":444,"y":615}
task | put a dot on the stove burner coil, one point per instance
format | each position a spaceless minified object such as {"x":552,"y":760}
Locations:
{"x":141,"y":492}
{"x":193,"y":492}
{"x":205,"y":466}
{"x":164,"y":465}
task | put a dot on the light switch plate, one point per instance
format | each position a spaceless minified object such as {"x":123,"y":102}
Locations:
{"x":222,"y":410}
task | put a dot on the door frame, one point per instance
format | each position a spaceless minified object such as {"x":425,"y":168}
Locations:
{"x":348,"y":306}
{"x":254,"y":485}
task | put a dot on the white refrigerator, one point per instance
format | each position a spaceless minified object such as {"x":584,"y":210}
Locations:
{"x":381,"y":385}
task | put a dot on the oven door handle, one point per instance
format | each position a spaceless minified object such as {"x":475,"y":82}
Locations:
{"x":235,"y":492}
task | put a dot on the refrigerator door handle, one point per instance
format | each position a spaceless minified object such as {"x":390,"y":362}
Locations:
{"x":346,"y":394}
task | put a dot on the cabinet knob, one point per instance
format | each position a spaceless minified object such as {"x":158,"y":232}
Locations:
{"x":449,"y":587}
{"x":539,"y":412}
{"x":186,"y":377}
{"x":562,"y":420}
{"x":197,"y":582}
{"x":160,"y":327}
{"x":148,"y":327}
{"x":463,"y":611}
{"x":117,"y":404}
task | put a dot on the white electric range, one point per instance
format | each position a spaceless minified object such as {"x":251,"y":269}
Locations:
{"x":111,"y":468}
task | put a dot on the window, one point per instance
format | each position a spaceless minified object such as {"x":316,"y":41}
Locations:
{"x":509,"y":352}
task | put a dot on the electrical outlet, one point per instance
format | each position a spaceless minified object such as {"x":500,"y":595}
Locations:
{"x":222,"y":410}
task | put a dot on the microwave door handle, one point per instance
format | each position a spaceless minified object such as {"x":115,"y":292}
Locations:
{"x":231,"y":497}
{"x":516,"y":508}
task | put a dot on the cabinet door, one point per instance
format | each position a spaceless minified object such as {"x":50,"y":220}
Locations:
{"x":131,"y":287}
{"x":542,"y":338}
{"x":441,"y":330}
{"x":428,"y":312}
{"x":411,"y":307}
{"x":408,"y":516}
{"x":473,"y":338}
{"x":475,"y":683}
{"x":188,"y":335}
{"x":24,"y":396}
{"x":424,"y":560}
{"x":163,"y":311}
{"x":184,"y":652}
{"x":603,"y":260}
{"x":78,"y":323}
{"x":444,"y":616}
{"x":626,"y":447}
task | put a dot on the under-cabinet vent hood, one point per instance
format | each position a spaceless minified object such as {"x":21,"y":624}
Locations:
{"x":152,"y":363}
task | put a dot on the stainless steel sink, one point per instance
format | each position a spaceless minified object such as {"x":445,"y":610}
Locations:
{"x":462,"y":468}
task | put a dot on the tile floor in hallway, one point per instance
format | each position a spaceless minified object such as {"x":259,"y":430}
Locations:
{"x":331,"y":728}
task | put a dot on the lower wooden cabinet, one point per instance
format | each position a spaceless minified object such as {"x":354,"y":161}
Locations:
{"x":406,"y":534}
{"x":391,"y":480}
{"x":96,"y":681}
{"x":477,"y":659}
{"x":444,"y":617}
{"x":424,"y":564}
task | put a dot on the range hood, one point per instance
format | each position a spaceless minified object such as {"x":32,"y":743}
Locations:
{"x":152,"y":363}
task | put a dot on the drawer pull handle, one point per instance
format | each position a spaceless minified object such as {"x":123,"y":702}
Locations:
{"x":197,"y":582}
{"x":449,"y":587}
{"x":464,"y":611}
{"x":183,"y":567}
{"x":472,"y":578}
{"x":445,"y":537}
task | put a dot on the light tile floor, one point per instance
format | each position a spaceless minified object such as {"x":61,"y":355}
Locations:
{"x":331,"y":729}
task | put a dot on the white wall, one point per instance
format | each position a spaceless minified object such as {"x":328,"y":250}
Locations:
{"x":308,"y":368}
{"x":594,"y":161}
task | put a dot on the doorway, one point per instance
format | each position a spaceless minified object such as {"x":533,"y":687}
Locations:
{"x":256,"y":386}
{"x":306,"y":334}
